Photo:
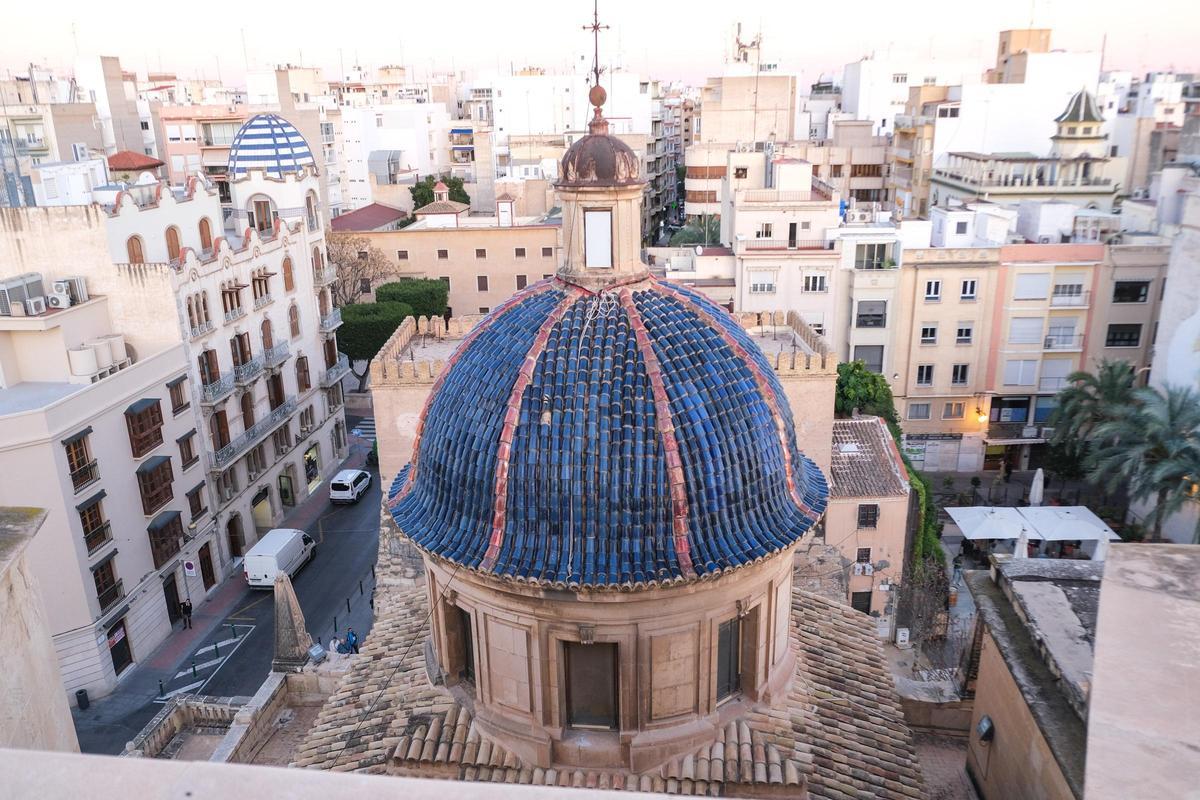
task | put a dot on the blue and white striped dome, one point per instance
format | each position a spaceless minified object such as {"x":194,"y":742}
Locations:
{"x":270,"y":143}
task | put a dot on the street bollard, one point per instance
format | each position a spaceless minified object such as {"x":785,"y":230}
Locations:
{"x":161,"y":690}
{"x":193,"y":668}
{"x":217,"y":649}
{"x":233,"y":630}
{"x":360,"y":589}
{"x":335,"y":623}
{"x":347,"y":605}
{"x":372,"y":572}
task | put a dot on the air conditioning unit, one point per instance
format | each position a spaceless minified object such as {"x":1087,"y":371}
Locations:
{"x":59,"y":299}
{"x":1047,"y":431}
{"x":18,"y":290}
{"x":74,"y":285}
{"x":35,"y":306}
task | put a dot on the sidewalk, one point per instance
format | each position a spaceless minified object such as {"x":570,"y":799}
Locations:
{"x":119,"y":716}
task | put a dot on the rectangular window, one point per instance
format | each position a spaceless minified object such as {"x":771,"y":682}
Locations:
{"x":835,"y":170}
{"x":868,"y":515}
{"x":764,"y":231}
{"x":740,"y":172}
{"x":968,"y":290}
{"x":1032,"y":286}
{"x":925,"y":375}
{"x":863,"y":555}
{"x":870,"y":256}
{"x":872,"y":314}
{"x":443,"y":255}
{"x":591,"y":671}
{"x":179,"y":398}
{"x":929,"y":334}
{"x":1025,"y":330}
{"x":80,"y":463}
{"x":918,"y":410}
{"x":96,"y":530}
{"x":522,"y":282}
{"x":960,"y":228}
{"x":1125,"y":335}
{"x":861,"y":601}
{"x":187,"y":449}
{"x":1020,"y":372}
{"x":466,"y":671}
{"x":815,"y":283}
{"x":729,"y":651}
{"x":597,"y":239}
{"x":108,"y":588}
{"x":484,"y":309}
{"x":480,"y":252}
{"x":196,"y":502}
{"x":953,"y":411}
{"x":402,"y":255}
{"x":519,"y":252}
{"x":154,"y":483}
{"x":871,"y":355}
{"x":166,"y":536}
{"x":959,"y":374}
{"x":964,"y":333}
{"x":547,"y":252}
{"x":481,"y":282}
{"x":762,"y":282}
{"x":144,"y":420}
{"x":1131,"y":291}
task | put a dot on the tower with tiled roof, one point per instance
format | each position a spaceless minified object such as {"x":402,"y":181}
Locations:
{"x":607,"y":491}
{"x":1080,"y":129}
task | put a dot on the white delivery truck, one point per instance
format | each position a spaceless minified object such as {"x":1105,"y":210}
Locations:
{"x":280,"y":550}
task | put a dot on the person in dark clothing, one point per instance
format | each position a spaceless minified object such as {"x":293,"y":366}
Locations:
{"x":1008,"y":471}
{"x":352,"y":640}
{"x":185,"y":610}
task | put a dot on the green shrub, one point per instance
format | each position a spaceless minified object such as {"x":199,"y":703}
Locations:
{"x":426,"y":296}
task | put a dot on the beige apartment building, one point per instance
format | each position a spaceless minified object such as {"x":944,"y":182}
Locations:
{"x":912,"y":150}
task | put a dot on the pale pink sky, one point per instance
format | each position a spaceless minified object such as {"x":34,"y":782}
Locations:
{"x":668,"y":40}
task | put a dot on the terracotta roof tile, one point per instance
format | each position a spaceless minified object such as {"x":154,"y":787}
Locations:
{"x":368,"y":218}
{"x":442,"y":207}
{"x":865,"y":461}
{"x":127,"y":160}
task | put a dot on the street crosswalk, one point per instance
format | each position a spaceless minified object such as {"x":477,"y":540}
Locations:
{"x":365,"y":428}
{"x":197,"y":671}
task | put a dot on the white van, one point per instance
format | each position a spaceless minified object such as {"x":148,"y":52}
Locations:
{"x":280,"y":550}
{"x":349,"y":485}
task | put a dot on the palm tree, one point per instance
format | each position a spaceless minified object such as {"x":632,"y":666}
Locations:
{"x":1089,"y":401}
{"x":1152,"y":449}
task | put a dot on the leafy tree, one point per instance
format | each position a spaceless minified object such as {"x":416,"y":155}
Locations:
{"x":869,"y":392}
{"x":366,"y":327}
{"x":1088,"y":402}
{"x":427,"y":296}
{"x":357,"y":261}
{"x":422,"y":191}
{"x":706,"y":232}
{"x":1151,"y":448}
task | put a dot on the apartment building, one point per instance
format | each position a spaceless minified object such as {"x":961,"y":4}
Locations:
{"x":33,"y":135}
{"x":751,"y":101}
{"x":238,"y":408}
{"x":877,"y":89}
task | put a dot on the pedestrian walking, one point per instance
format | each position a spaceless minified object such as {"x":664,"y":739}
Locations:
{"x":185,"y":610}
{"x":958,"y":569}
{"x":352,"y":640}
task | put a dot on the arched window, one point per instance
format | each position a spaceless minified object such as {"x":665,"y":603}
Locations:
{"x":303,"y":383}
{"x":267,"y":338}
{"x":310,"y":207}
{"x":261,"y":213}
{"x":237,"y":542}
{"x":133,"y":247}
{"x":323,"y":303}
{"x":317,"y":262}
{"x":294,"y":320}
{"x":172,"y":243}
{"x":204,"y":306}
{"x":247,"y":410}
{"x":205,"y":234}
{"x":191,"y":312}
{"x":289,"y":281}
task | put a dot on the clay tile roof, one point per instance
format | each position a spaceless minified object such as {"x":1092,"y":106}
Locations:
{"x":865,"y":460}
{"x":368,"y":218}
{"x":838,"y":732}
{"x":505,"y":197}
{"x":127,"y":160}
{"x":440,"y":186}
{"x":442,"y":207}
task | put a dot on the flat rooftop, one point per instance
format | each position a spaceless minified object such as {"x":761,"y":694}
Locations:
{"x":32,"y":395}
{"x":776,"y":339}
{"x":427,"y":347}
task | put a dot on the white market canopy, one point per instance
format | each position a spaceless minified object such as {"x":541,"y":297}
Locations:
{"x":1050,"y":523}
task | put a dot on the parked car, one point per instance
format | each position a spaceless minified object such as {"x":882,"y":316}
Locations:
{"x":349,"y":485}
{"x":280,"y":550}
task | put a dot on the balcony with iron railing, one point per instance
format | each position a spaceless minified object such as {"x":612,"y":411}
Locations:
{"x":248,"y":370}
{"x":274,"y":356}
{"x":262,"y":301}
{"x":338,"y":371}
{"x":203,"y":329}
{"x":85,"y":476}
{"x":212,"y":393}
{"x":235,"y":313}
{"x":1077,"y":300}
{"x":754,"y":245}
{"x":331,"y":321}
{"x":325,"y":275}
{"x":97,"y":537}
{"x":111,"y":596}
{"x":1063,"y":341}
{"x":252,"y":435}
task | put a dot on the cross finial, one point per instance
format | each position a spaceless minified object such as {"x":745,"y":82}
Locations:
{"x":595,"y":27}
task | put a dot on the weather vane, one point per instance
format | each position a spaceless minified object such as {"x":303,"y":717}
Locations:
{"x":595,"y":28}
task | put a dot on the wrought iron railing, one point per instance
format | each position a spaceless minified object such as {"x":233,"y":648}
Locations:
{"x":331,"y":321}
{"x":337,"y":371}
{"x":252,"y":435}
{"x":212,"y":392}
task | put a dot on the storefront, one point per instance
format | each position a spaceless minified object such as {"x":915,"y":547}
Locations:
{"x":312,"y":467}
{"x":118,"y":647}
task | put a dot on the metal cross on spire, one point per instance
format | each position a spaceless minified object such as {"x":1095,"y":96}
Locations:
{"x":595,"y":28}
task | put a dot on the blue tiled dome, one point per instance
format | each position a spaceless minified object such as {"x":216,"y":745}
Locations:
{"x":622,"y":439}
{"x":271,"y":143}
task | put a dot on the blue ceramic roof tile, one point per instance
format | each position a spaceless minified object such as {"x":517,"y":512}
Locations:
{"x":576,"y":489}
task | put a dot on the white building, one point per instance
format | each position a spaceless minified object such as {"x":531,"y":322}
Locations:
{"x":877,"y":88}
{"x":225,"y":411}
{"x":393,"y":144}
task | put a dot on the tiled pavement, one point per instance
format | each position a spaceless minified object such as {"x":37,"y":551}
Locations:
{"x":943,"y":764}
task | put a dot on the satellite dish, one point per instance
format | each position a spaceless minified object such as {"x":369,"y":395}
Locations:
{"x":699,"y":250}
